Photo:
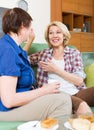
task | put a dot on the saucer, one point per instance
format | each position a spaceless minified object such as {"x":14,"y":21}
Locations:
{"x":34,"y":125}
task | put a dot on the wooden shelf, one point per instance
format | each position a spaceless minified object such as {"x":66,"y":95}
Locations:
{"x":67,"y":19}
{"x":76,"y":13}
{"x":76,"y":21}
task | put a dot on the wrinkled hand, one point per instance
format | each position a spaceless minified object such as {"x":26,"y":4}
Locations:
{"x":52,"y":88}
{"x":48,"y":66}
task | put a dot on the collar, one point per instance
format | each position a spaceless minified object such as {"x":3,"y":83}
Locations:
{"x":66,"y":50}
{"x":13,"y":43}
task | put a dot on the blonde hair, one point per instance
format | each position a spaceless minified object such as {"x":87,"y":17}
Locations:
{"x":64,"y":29}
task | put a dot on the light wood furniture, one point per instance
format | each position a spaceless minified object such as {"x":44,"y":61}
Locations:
{"x":83,"y":41}
{"x":76,"y":13}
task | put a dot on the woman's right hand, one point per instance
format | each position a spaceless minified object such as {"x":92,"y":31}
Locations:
{"x":51,"y":88}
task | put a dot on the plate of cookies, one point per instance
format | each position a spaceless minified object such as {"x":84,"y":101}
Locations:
{"x":81,"y":122}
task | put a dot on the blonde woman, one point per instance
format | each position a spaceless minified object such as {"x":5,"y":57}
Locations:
{"x":64,"y":64}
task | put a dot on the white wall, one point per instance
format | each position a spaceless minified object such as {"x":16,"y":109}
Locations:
{"x":40,"y":12}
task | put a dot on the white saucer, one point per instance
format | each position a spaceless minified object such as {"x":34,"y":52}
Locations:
{"x":30,"y":126}
{"x":68,"y":126}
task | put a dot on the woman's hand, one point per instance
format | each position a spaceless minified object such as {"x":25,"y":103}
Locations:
{"x":29,"y":41}
{"x":52,"y":68}
{"x":48,"y":66}
{"x":51,"y":88}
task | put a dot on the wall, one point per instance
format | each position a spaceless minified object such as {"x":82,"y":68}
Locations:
{"x":40,"y":12}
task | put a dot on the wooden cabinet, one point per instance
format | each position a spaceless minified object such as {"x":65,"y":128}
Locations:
{"x":70,"y":5}
{"x":76,"y":21}
{"x":83,"y":41}
{"x":75,"y":40}
{"x":78,"y":6}
{"x":86,"y":7}
{"x":87,"y":42}
{"x":56,"y":13}
{"x":75,"y":14}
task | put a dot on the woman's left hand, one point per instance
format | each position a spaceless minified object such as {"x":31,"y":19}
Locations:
{"x":29,"y":41}
{"x":48,"y":66}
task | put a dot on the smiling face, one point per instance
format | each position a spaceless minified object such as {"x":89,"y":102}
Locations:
{"x":55,"y":35}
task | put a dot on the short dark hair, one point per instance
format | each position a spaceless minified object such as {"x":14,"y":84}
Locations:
{"x":14,"y":18}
